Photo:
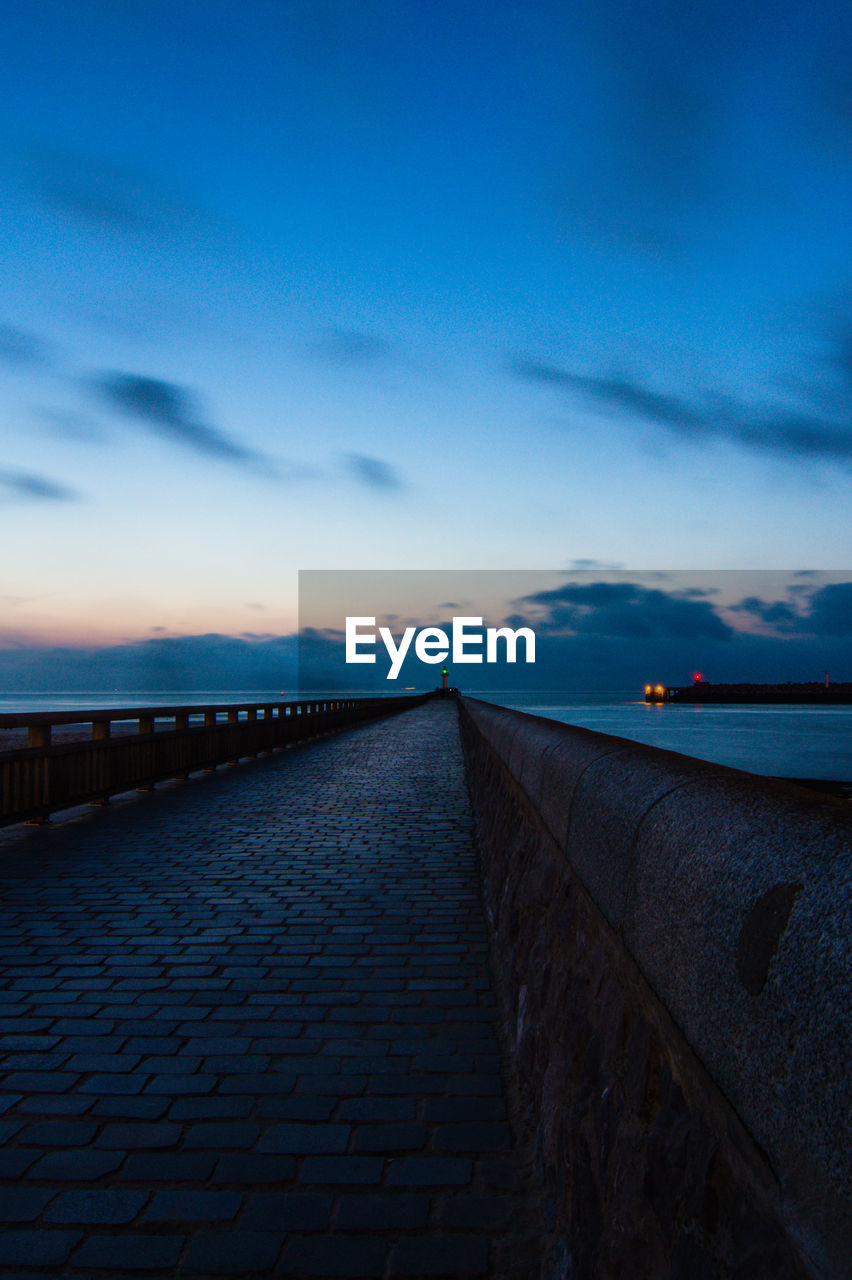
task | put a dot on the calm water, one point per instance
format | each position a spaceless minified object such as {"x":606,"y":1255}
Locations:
{"x":120,"y":698}
{"x":784,"y":741}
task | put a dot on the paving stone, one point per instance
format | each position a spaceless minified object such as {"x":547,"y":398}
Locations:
{"x":146,"y":1254}
{"x":429,"y":1171}
{"x":394,"y":1211}
{"x":36,"y":1248}
{"x":58,"y":1133}
{"x":224,"y":1136}
{"x":322,"y":1256}
{"x":129,"y":1108}
{"x":23,"y":1204}
{"x":287,"y":1211}
{"x":40,"y":1081}
{"x":194,"y":1206}
{"x":138,"y":1137}
{"x":76,"y":1166}
{"x":102,"y":1208}
{"x":173,"y":1085}
{"x":390,"y":1137}
{"x":450,"y":1256}
{"x":274,"y":979}
{"x":14,"y":1162}
{"x":305,"y":1138}
{"x":375,"y":1110}
{"x":341,"y":1170}
{"x":168,"y":1166}
{"x":255,"y":1169}
{"x":295,"y":1108}
{"x":117,"y":1085}
{"x":215,"y":1253}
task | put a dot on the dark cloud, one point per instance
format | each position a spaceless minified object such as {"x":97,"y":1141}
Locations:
{"x":17,"y":347}
{"x":374,"y":473}
{"x":27,"y":487}
{"x":158,"y":664}
{"x":170,"y":411}
{"x":628,"y":611}
{"x":765,"y":428}
{"x":821,"y":612}
{"x":620,"y":393}
{"x":350,"y":347}
{"x":831,"y":610}
{"x":588,"y":562}
{"x":777,"y":614}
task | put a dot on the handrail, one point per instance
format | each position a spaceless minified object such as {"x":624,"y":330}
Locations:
{"x":44,"y":776}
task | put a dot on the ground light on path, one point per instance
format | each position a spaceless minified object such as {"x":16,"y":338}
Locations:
{"x":248,"y":1028}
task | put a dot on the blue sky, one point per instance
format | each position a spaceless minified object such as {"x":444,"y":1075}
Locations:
{"x":341,"y":284}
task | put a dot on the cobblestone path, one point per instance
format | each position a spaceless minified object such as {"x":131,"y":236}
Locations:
{"x":247,"y":1028}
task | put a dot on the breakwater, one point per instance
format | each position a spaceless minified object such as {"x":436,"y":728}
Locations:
{"x":670,"y":945}
{"x":788,"y":694}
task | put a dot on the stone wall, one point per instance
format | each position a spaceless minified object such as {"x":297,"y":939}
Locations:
{"x":670,"y":946}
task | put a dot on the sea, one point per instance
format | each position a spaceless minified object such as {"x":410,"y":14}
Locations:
{"x":805,"y":742}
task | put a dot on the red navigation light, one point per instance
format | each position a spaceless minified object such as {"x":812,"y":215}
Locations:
{"x":698,"y":677}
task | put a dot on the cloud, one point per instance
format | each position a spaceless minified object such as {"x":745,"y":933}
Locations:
{"x":776,"y":614}
{"x":763,"y":427}
{"x":26,"y":486}
{"x":620,"y":393}
{"x":170,"y":411}
{"x":626,"y":610}
{"x":101,"y":195}
{"x":158,"y":664}
{"x":350,"y":347}
{"x":374,"y":473}
{"x":17,"y":347}
{"x":831,"y":610}
{"x":823,"y":612}
{"x":587,"y":562}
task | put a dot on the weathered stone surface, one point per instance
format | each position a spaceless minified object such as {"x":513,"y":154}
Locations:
{"x":648,"y":1169}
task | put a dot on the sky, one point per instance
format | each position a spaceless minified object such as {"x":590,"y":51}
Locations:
{"x":344,"y":284}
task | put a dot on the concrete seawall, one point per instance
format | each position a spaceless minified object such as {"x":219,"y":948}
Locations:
{"x":671,"y":948}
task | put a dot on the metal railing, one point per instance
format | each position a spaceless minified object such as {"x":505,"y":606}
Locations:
{"x":47,"y":775}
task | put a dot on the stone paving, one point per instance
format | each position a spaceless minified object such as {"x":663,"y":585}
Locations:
{"x":247,"y":1028}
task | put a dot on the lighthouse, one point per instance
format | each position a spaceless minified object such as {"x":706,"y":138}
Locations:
{"x":444,"y":679}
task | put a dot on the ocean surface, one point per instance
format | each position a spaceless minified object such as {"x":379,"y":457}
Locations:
{"x":781,"y":741}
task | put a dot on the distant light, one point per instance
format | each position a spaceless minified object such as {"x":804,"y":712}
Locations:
{"x":698,"y":677}
{"x":660,"y":689}
{"x":647,"y":688}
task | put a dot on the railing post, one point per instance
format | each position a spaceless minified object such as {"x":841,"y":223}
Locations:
{"x":181,"y":723}
{"x":38,"y":735}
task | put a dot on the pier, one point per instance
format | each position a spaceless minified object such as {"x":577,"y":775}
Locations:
{"x":448,"y":992}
